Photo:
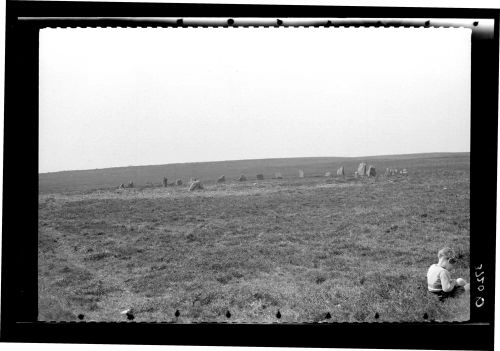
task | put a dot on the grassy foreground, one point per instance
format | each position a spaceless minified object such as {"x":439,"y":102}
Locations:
{"x":354,"y":248}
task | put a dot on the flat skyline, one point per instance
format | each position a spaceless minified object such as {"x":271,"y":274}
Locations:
{"x":133,"y":97}
{"x":261,"y":159}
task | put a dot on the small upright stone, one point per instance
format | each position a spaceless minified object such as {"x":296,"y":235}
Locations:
{"x":301,"y":173}
{"x":165,"y":182}
{"x":362,"y":169}
{"x":340,"y":171}
{"x":370,"y":172}
{"x":196,"y":185}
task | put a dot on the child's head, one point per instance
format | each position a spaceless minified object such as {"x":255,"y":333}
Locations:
{"x":446,"y":257}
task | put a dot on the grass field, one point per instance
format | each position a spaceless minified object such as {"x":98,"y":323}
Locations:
{"x":354,"y":248}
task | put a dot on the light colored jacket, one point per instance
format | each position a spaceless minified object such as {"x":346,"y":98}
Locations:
{"x":439,"y":279}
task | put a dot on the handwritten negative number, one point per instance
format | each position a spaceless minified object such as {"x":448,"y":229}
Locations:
{"x":480,"y":279}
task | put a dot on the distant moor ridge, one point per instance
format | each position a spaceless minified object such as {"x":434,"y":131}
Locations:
{"x":243,"y":170}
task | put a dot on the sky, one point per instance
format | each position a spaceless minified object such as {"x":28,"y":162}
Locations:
{"x":121,"y":97}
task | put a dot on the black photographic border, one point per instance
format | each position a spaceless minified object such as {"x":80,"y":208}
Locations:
{"x":19,"y":304}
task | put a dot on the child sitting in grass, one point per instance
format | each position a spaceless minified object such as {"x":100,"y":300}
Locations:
{"x":439,"y":279}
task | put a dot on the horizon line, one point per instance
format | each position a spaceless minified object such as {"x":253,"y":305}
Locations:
{"x":255,"y":159}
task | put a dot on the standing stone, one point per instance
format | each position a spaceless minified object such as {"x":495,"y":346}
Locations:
{"x":260,"y":177}
{"x":165,"y":182}
{"x":178,"y":182}
{"x":371,"y":171}
{"x":386,"y":172}
{"x":195,"y":185}
{"x":221,"y":179}
{"x":301,"y":173}
{"x":356,"y":174}
{"x":242,"y":178}
{"x":362,"y":169}
{"x":340,"y":171}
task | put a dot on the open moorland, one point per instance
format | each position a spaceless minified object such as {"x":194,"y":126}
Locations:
{"x":316,"y":249}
